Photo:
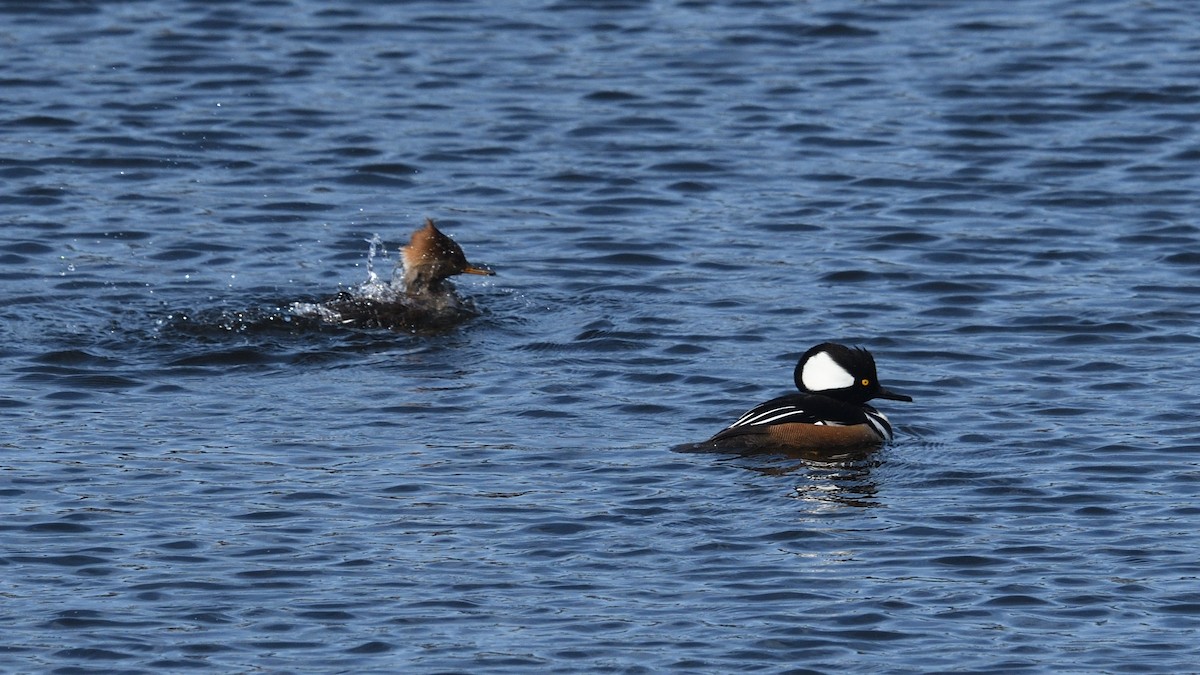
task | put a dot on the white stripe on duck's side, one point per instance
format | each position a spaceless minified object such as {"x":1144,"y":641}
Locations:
{"x":879,"y":422}
{"x":765,"y":417}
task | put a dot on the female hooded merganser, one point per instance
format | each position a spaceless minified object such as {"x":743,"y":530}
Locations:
{"x":830,"y":412}
{"x":427,"y":301}
{"x":429,"y":259}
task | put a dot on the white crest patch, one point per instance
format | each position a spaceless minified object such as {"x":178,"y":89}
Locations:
{"x":822,"y":373}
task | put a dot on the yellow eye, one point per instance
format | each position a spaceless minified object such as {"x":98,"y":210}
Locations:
{"x":866,"y":383}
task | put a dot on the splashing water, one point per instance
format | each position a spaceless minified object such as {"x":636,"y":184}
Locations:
{"x":377,"y":248}
{"x":372,"y":289}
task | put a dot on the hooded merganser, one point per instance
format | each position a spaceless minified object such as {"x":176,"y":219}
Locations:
{"x":430,"y":258}
{"x":427,"y":300}
{"x":831,"y":410}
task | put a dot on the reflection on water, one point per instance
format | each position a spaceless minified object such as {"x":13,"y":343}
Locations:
{"x":832,"y":478}
{"x":842,"y":485}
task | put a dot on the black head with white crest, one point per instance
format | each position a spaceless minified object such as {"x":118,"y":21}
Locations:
{"x":841,"y":372}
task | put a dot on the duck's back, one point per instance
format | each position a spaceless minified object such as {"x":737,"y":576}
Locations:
{"x":404,"y":313}
{"x":808,"y":420}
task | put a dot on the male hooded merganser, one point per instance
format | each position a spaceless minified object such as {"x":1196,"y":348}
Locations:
{"x":831,"y":410}
{"x":427,"y":301}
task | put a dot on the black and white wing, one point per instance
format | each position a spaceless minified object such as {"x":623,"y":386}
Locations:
{"x":805,"y":409}
{"x":783,"y":410}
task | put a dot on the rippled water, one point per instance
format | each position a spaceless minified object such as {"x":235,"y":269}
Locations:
{"x":998,"y":199}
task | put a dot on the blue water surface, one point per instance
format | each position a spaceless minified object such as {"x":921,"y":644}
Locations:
{"x":997,"y":198}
